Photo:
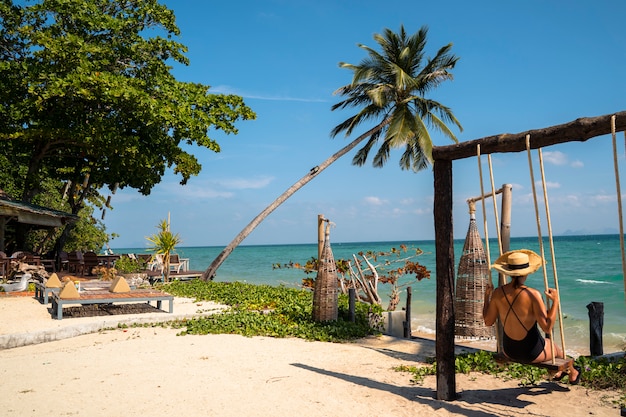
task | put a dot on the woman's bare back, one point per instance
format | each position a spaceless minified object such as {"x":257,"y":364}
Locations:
{"x":515,"y":310}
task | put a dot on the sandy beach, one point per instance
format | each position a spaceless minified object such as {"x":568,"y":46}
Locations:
{"x":153,"y":371}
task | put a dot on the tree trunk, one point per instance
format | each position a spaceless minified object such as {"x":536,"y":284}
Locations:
{"x":166,"y":263}
{"x":76,"y":206}
{"x":444,"y":258}
{"x":219,"y":260}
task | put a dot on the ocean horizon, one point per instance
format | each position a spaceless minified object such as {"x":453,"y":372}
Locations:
{"x":589,"y":269}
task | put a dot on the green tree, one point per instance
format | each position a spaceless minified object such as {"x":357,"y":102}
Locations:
{"x":88,"y":234}
{"x":88,"y":98}
{"x":391,"y":89}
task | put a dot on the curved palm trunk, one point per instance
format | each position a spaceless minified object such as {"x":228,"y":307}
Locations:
{"x":219,"y":260}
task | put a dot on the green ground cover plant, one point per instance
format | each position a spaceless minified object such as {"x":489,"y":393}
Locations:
{"x":263,"y":310}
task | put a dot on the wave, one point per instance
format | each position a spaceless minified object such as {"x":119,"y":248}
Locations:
{"x":591,"y":281}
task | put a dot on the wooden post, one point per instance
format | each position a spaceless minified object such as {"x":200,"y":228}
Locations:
{"x":320,"y":236}
{"x":505,"y":235}
{"x":596,"y":322}
{"x":505,"y":217}
{"x":352,"y":304}
{"x":444,"y":247}
{"x":407,"y":319}
{"x":3,"y":222}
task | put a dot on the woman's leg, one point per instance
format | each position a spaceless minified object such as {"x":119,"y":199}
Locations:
{"x":546,"y":355}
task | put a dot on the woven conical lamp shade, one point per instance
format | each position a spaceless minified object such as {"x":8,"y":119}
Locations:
{"x":472,"y":279}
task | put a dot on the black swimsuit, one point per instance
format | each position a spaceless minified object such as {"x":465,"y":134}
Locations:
{"x":527,"y":349}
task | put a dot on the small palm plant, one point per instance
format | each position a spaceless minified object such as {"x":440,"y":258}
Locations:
{"x":163,"y":243}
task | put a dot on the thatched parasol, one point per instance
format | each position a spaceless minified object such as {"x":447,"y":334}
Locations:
{"x":326,"y":288}
{"x":472,"y":279}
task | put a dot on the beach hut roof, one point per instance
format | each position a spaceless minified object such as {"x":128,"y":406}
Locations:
{"x":32,"y":214}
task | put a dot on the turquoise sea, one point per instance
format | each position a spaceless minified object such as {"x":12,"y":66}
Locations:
{"x":589,"y":270}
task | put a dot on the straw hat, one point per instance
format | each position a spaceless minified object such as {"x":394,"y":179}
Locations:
{"x":518,"y":262}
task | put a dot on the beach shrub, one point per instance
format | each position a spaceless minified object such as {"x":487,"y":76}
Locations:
{"x":104,"y":273}
{"x":603,"y":373}
{"x":127,"y":265}
{"x":264,"y":310}
{"x":481,"y":361}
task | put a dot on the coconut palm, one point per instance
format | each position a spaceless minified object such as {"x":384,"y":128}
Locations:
{"x":389,"y":87}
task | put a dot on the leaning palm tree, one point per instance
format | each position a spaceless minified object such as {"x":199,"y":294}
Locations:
{"x":388,"y":87}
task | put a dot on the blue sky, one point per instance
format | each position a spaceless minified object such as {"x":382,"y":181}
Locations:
{"x":523,"y":65}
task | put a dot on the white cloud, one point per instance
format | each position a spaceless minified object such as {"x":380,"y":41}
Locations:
{"x":374,"y":201}
{"x":549,"y":184}
{"x":573,"y":200}
{"x":603,"y":198}
{"x":555,"y":157}
{"x":577,"y":164}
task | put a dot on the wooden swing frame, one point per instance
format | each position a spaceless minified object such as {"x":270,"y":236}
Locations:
{"x":553,"y":364}
{"x":579,"y":130}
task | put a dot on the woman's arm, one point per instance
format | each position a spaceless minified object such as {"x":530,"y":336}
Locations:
{"x":490,"y":310}
{"x":545,"y":319}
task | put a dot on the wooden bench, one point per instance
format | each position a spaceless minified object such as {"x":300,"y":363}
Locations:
{"x":107,"y":297}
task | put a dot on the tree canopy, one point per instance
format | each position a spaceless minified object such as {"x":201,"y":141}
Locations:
{"x":392,"y":87}
{"x":88,"y":98}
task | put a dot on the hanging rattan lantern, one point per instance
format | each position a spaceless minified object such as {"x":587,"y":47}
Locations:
{"x":472,"y":278}
{"x":326,"y":290}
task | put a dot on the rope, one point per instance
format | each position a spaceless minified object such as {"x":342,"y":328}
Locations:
{"x":495,"y":206}
{"x":545,"y":273}
{"x":619,"y":200}
{"x":553,"y":257}
{"x":482,"y":192}
{"x":487,"y":250}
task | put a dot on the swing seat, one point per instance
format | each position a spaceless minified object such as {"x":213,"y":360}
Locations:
{"x":559,"y":364}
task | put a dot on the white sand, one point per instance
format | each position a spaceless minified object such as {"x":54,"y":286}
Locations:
{"x":152,"y":371}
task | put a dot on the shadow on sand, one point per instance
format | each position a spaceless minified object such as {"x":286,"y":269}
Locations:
{"x":489,"y":400}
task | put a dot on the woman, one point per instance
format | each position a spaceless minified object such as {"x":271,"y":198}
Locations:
{"x":520,"y":309}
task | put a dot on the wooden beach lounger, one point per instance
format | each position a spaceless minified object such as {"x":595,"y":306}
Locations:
{"x":107,"y":297}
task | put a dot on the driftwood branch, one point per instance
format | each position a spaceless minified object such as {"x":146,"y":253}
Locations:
{"x":578,"y":130}
{"x":374,"y":281}
{"x":365,"y":283}
{"x":354,"y":280}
